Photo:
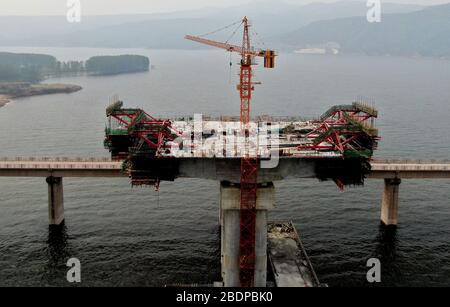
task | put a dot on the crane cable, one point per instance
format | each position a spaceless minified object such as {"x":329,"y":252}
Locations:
{"x":259,"y":40}
{"x":226,"y":42}
{"x":234,"y":32}
{"x":221,"y":29}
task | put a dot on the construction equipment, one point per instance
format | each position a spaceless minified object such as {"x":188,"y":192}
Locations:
{"x":249,"y":162}
{"x":248,"y":53}
{"x":349,"y":131}
{"x":138,"y":138}
{"x":341,"y":142}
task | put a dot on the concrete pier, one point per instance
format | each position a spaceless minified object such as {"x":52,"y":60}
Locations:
{"x":389,"y":203}
{"x":55,"y":200}
{"x":230,"y":231}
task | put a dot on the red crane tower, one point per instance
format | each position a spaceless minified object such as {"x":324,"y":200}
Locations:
{"x":249,"y":162}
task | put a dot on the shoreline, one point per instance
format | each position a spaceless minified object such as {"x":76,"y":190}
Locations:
{"x":4,"y":100}
{"x":12,"y":90}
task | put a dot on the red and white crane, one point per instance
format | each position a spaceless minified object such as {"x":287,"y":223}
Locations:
{"x":249,"y":162}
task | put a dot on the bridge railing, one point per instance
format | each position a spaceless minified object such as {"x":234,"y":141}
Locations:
{"x":56,"y":159}
{"x":61,"y":163}
{"x":52,"y":165}
{"x":411,"y":165}
{"x":405,"y":161}
{"x":106,"y":160}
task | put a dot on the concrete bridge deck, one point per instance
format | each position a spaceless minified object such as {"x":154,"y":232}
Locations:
{"x":224,"y":170}
{"x":410,"y":169}
{"x":210,"y":168}
{"x":60,"y":167}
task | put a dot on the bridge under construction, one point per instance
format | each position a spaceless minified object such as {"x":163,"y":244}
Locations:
{"x":341,"y":142}
{"x":246,"y":155}
{"x":227,"y":171}
{"x":336,"y":146}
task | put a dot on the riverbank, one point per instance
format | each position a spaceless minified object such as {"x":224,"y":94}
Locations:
{"x":11,"y":90}
{"x":3,"y":100}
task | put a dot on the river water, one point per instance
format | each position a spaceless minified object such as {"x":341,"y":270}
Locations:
{"x":127,"y":236}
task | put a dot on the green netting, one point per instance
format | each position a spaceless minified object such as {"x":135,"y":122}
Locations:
{"x":361,"y":126}
{"x":136,"y":121}
{"x":358,"y":153}
{"x":110,"y":131}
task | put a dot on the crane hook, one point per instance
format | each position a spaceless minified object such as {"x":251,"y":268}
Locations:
{"x":231,"y":64}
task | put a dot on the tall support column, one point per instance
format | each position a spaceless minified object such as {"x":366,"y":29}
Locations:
{"x":230,"y":233}
{"x":55,"y":200}
{"x":389,"y":203}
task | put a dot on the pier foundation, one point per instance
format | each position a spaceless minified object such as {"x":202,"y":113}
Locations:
{"x":230,"y":232}
{"x":55,"y":200}
{"x":389,"y":203}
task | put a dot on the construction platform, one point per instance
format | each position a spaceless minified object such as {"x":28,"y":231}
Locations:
{"x":341,"y":142}
{"x":222,"y":137}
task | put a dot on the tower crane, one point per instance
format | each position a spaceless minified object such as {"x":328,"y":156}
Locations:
{"x":249,"y":161}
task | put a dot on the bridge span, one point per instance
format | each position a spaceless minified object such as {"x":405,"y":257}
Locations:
{"x":105,"y":167}
{"x":220,"y":169}
{"x":227,"y":171}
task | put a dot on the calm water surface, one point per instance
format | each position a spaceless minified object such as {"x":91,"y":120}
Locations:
{"x":126,"y":236}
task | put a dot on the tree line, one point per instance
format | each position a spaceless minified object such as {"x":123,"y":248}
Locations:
{"x":36,"y":67}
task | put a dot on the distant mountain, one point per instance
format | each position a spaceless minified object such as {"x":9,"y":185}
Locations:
{"x":32,"y":28}
{"x":422,"y":33}
{"x":147,"y":34}
{"x":275,"y":17}
{"x":167,"y":30}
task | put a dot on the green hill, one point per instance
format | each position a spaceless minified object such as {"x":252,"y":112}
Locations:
{"x":109,"y":65}
{"x":25,"y":67}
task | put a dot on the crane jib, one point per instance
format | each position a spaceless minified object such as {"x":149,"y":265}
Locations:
{"x":268,"y":55}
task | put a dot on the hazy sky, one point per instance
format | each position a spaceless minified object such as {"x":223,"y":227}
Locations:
{"x":100,"y":7}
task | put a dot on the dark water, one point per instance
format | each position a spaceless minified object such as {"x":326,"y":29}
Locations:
{"x":125,"y":236}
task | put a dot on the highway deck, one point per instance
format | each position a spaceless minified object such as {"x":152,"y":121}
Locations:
{"x":212,"y":168}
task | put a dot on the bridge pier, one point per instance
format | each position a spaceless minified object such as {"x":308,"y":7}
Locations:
{"x":389,"y":203}
{"x":55,"y":200}
{"x":230,"y":232}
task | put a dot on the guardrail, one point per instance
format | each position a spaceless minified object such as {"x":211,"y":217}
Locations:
{"x":405,"y":161}
{"x":60,"y":163}
{"x":58,"y":159}
{"x":66,"y":166}
{"x":411,"y":167}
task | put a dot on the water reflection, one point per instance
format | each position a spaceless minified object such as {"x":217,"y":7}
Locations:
{"x":57,"y":245}
{"x":386,"y":251}
{"x":386,"y":243}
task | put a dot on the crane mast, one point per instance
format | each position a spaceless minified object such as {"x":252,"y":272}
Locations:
{"x":245,"y":84}
{"x":249,"y":171}
{"x":249,"y":161}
